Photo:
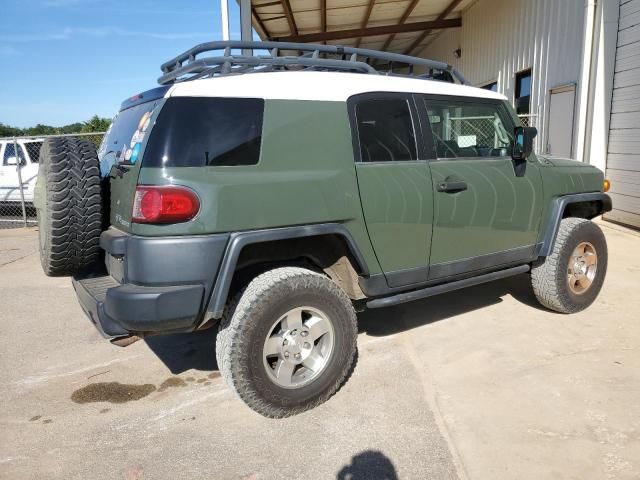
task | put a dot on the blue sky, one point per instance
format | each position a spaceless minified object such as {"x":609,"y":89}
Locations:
{"x":66,"y":60}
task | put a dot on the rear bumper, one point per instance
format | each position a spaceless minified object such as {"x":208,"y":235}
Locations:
{"x":118,"y":310}
{"x":153,"y":284}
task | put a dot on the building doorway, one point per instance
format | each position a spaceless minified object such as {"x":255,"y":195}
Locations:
{"x":561,"y":110}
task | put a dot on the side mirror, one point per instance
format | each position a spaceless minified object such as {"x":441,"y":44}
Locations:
{"x":523,"y":142}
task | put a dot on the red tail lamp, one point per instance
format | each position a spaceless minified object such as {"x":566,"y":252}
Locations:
{"x":166,"y":204}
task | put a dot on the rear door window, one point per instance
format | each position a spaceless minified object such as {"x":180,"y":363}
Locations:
{"x":385,"y":130}
{"x":198,"y":132}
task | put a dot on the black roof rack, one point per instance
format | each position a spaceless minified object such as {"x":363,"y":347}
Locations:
{"x":188,"y":66}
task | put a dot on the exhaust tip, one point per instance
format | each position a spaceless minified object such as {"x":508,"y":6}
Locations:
{"x":126,"y":341}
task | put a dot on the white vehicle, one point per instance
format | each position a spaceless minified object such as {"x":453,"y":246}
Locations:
{"x":27,"y":160}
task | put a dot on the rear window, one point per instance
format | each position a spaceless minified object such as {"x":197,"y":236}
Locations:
{"x":198,"y":132}
{"x":128,"y":128}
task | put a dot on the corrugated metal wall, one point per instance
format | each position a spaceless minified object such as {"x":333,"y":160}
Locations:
{"x":502,"y":37}
{"x":623,"y":159}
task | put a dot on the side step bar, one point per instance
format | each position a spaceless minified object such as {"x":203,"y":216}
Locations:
{"x":446,"y":287}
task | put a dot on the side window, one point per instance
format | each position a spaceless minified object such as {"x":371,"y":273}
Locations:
{"x":385,"y":130}
{"x":33,"y":149}
{"x":10,"y":155}
{"x":200,"y":132}
{"x":464,"y":129}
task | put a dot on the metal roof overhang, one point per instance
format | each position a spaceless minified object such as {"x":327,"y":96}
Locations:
{"x":402,"y":26}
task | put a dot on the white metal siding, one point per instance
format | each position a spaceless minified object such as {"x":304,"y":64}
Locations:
{"x":623,"y":158}
{"x":502,"y":37}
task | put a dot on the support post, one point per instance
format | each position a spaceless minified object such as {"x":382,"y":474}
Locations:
{"x":245,"y":25}
{"x":19,"y":168}
{"x":224,"y":17}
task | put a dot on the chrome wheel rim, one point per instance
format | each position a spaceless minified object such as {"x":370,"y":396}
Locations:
{"x":582,"y":268}
{"x":298,"y":347}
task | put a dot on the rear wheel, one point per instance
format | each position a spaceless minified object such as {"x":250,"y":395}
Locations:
{"x":69,"y":209}
{"x":570,"y":279}
{"x":288,"y":342}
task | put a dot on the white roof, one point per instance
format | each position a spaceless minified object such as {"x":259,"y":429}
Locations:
{"x":321,"y":86}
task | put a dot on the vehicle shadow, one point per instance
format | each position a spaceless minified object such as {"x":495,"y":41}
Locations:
{"x":186,"y":351}
{"x":388,"y":321}
{"x":368,"y":465}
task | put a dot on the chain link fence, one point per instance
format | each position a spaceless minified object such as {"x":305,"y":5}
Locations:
{"x":19,"y":158}
{"x":529,"y":120}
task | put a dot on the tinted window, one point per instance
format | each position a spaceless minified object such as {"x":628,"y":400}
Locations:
{"x":10,"y":151}
{"x":385,"y":130}
{"x":198,"y":132}
{"x":121,"y":132}
{"x":468,"y":129}
{"x":33,"y":148}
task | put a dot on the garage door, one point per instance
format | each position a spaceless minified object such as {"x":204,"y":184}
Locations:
{"x":623,"y":159}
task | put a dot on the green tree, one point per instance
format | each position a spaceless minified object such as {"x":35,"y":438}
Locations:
{"x":7,"y":131}
{"x":96,"y":124}
{"x":40,"y":129}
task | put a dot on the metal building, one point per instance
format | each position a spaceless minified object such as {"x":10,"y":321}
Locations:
{"x":623,"y":152}
{"x":570,"y":67}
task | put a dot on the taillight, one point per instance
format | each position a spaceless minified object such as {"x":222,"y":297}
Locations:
{"x":169,"y":204}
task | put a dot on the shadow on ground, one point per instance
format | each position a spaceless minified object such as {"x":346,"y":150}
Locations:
{"x":388,"y":321}
{"x":368,"y":465}
{"x":185,"y":351}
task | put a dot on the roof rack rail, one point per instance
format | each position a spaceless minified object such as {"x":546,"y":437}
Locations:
{"x":187,"y":66}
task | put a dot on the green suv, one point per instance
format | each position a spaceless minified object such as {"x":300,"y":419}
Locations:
{"x":274,"y":195}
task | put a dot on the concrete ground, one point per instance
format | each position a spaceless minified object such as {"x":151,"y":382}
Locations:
{"x":481,"y":383}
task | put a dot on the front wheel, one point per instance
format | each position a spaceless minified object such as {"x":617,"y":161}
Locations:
{"x":288,"y":342}
{"x":570,"y":279}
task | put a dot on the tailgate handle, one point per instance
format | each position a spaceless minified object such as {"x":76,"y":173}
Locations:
{"x":452,"y":187}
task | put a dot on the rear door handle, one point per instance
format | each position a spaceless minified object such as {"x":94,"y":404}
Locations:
{"x":451,"y":187}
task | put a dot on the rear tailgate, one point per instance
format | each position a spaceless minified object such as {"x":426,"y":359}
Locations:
{"x":122,"y":149}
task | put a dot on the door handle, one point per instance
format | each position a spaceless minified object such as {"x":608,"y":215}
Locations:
{"x":451,"y":187}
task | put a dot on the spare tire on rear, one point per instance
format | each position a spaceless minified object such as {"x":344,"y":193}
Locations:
{"x":69,"y":206}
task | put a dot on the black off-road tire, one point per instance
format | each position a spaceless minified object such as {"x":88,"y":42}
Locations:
{"x":70,"y":212}
{"x":549,"y":278}
{"x":246,"y":324}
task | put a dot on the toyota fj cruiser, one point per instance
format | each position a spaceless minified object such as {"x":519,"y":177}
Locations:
{"x":274,"y":195}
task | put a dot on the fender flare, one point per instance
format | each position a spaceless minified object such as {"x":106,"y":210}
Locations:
{"x":238,"y":241}
{"x":557,"y":211}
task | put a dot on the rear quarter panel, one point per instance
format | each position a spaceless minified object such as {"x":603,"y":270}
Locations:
{"x":306,"y":174}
